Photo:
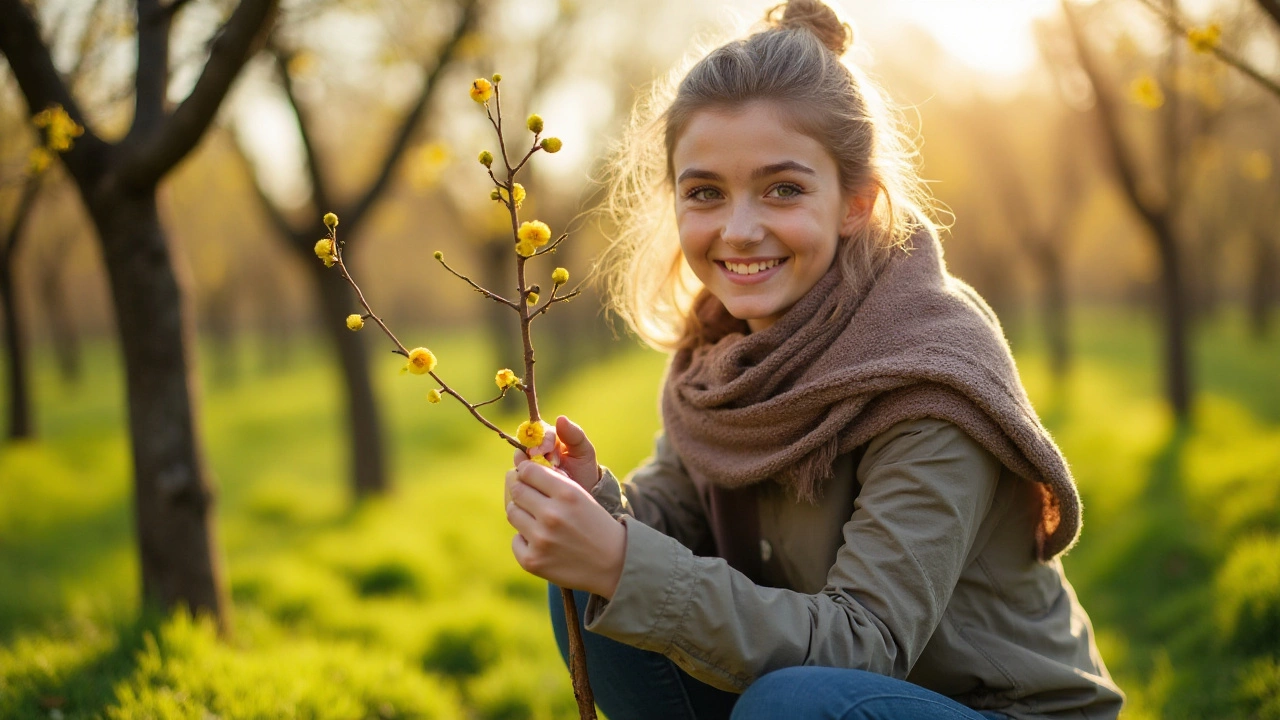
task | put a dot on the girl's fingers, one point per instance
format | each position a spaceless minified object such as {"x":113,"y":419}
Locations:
{"x":520,"y":519}
{"x":546,"y":481}
{"x":525,"y":495}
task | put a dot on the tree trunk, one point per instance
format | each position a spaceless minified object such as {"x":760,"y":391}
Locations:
{"x":1173,"y":305}
{"x":21,"y":426}
{"x":173,"y":494}
{"x":1054,"y":307}
{"x":1263,"y":290}
{"x":62,"y":328}
{"x":365,"y":429}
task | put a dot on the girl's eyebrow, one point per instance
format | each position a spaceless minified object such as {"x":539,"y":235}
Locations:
{"x":765,"y":171}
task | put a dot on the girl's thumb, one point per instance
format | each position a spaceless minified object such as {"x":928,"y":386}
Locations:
{"x":571,"y":435}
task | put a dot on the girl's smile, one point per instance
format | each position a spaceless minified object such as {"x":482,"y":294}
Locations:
{"x":759,"y":208}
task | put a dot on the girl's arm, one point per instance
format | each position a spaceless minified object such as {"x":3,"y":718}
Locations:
{"x":926,"y":490}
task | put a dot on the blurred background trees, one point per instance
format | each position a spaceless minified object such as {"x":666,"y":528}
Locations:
{"x":1103,"y":171}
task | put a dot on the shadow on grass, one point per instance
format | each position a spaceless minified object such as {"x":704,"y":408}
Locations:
{"x":88,"y":689}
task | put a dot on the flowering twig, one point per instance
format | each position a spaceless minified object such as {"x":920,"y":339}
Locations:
{"x":1207,"y":40}
{"x":532,"y":239}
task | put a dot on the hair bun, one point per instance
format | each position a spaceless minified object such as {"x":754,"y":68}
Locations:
{"x":817,"y":18}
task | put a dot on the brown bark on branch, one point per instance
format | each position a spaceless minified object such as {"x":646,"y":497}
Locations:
{"x":21,"y":423}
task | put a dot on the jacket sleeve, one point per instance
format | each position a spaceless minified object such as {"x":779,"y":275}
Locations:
{"x":926,"y":487}
{"x":659,"y":494}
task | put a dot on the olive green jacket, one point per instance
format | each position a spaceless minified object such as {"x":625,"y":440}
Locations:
{"x":919,"y":563}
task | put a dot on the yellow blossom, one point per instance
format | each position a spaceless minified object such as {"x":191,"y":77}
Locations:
{"x":524,"y":248}
{"x":481,"y":90}
{"x":38,"y":160}
{"x":354,"y":322}
{"x":60,"y":129}
{"x":497,"y":78}
{"x":551,"y":144}
{"x":534,"y":123}
{"x":541,"y":460}
{"x":560,"y":276}
{"x":517,"y":192}
{"x":486,"y":158}
{"x":324,"y":251}
{"x":505,"y":379}
{"x":530,"y":434}
{"x":330,"y":220}
{"x":421,"y":361}
{"x":534,"y":232}
{"x":1145,"y":91}
{"x":437,"y":255}
{"x":433,"y":396}
{"x":1205,"y":39}
{"x":532,"y":298}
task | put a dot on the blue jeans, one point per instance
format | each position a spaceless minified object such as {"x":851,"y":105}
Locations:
{"x":633,"y":684}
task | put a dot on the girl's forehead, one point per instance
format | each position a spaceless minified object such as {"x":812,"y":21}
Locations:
{"x":756,"y":132}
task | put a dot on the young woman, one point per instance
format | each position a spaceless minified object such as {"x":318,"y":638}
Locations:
{"x":853,"y":510}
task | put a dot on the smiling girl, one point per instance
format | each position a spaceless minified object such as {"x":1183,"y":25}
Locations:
{"x":853,"y":511}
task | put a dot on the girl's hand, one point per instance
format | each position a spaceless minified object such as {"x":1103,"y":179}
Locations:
{"x":577,"y":456}
{"x":564,"y":536}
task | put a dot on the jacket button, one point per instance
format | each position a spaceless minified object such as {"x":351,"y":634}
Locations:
{"x":766,"y":550}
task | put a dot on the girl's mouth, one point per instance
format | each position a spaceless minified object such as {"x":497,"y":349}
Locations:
{"x":750,"y":272}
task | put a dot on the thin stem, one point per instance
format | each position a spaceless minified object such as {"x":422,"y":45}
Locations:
{"x":536,"y":147}
{"x":476,"y":413}
{"x":490,"y":402}
{"x":491,"y":295}
{"x":342,"y":266}
{"x":1222,"y":54}
{"x":554,"y":299}
{"x":551,"y":248}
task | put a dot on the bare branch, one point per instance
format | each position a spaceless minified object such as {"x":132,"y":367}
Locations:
{"x":491,"y":295}
{"x":319,"y":186}
{"x":1272,"y":8}
{"x":1178,"y":25}
{"x":552,"y":247}
{"x":41,"y":84}
{"x":470,"y":14}
{"x":232,"y":46}
{"x":1108,"y":119}
{"x":22,"y":212}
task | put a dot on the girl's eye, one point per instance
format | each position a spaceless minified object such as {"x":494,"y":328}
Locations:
{"x":703,"y":194}
{"x":786,"y":190}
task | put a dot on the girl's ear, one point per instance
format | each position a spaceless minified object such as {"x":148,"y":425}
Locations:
{"x":858,"y":205}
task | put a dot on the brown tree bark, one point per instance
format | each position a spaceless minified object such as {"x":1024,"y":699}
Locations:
{"x":61,"y":325}
{"x":173,"y":495}
{"x":21,"y":423}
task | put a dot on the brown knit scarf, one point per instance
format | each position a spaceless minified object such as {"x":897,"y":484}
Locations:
{"x":842,"y":366}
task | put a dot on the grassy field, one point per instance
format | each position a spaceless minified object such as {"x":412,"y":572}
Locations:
{"x":412,"y":606}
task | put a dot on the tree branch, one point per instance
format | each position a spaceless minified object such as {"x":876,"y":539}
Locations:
{"x":1272,"y":8}
{"x":42,"y":85}
{"x":22,"y":212}
{"x":1108,"y":118}
{"x":232,"y":46}
{"x":274,"y":214}
{"x":470,"y":15}
{"x":151,"y":77}
{"x":323,"y":201}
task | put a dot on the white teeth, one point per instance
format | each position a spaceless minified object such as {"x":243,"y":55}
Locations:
{"x":750,"y":268}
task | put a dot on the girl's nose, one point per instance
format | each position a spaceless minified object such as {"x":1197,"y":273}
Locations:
{"x":742,"y":228}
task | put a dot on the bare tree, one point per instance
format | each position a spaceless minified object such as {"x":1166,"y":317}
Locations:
{"x":1156,"y":209}
{"x":173,"y":497}
{"x":368,"y":470}
{"x":21,"y":424}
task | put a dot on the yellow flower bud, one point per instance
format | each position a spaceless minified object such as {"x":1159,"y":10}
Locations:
{"x":530,"y":434}
{"x":437,"y":255}
{"x":1204,"y":40}
{"x":330,"y":220}
{"x":497,"y":78}
{"x":433,"y":396}
{"x":481,"y":90}
{"x":551,"y":144}
{"x":421,"y":361}
{"x":524,"y":248}
{"x":560,"y":276}
{"x":532,"y":298}
{"x":486,"y":158}
{"x":534,"y":232}
{"x":324,"y":251}
{"x":495,"y":195}
{"x":505,"y":379}
{"x":534,"y":123}
{"x":354,"y":322}
{"x":541,"y":460}
{"x":517,"y":191}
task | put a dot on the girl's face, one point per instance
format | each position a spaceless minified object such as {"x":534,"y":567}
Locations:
{"x":759,"y":208}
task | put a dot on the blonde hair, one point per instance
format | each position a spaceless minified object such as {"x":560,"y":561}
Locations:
{"x":795,"y":61}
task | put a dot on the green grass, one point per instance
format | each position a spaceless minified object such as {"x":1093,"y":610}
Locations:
{"x":411,"y":605}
